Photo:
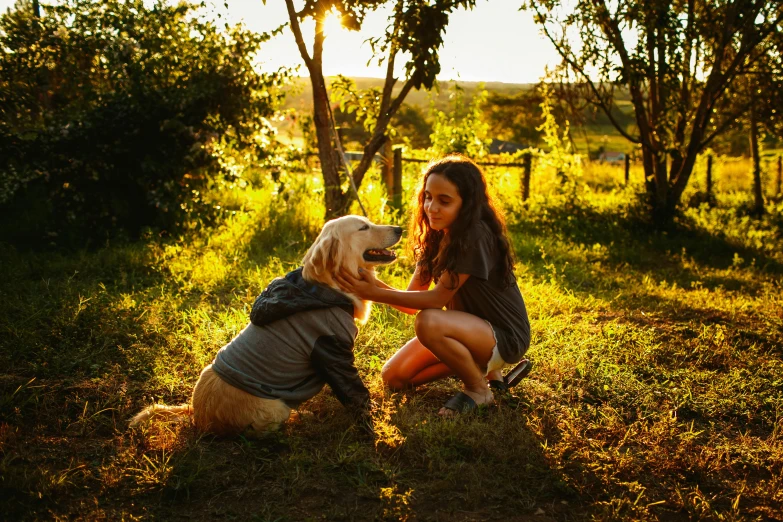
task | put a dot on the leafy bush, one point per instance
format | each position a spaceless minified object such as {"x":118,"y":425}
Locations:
{"x":463,"y":128}
{"x":115,"y":115}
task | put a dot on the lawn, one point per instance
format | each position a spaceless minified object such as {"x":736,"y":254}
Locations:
{"x":657,"y":391}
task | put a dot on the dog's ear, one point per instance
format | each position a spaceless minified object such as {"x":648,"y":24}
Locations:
{"x":346,"y":259}
{"x":322,"y":257}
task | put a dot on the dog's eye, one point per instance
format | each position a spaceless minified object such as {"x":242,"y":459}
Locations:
{"x":365,"y":227}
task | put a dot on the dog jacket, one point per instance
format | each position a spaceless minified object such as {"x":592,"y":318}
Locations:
{"x":301,"y":336}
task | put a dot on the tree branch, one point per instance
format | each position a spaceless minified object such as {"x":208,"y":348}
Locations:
{"x":297,"y":30}
{"x":388,"y":84}
{"x":614,"y":35}
{"x":580,"y":71}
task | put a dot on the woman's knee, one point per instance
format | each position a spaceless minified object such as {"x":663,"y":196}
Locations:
{"x":391,"y":377}
{"x":428,"y":325}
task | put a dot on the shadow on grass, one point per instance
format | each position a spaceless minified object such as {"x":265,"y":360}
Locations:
{"x":69,"y":317}
{"x":483,"y":466}
{"x":74,"y":348}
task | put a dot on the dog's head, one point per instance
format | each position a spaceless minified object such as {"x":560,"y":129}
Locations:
{"x":349,"y":243}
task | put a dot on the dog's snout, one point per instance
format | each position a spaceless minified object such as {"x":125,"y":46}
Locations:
{"x":398,"y":230}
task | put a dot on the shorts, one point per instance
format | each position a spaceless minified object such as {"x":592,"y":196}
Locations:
{"x":496,"y":362}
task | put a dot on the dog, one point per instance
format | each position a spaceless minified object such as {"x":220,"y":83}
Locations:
{"x":301,"y":334}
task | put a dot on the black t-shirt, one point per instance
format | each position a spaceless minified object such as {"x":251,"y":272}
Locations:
{"x":488,"y":295}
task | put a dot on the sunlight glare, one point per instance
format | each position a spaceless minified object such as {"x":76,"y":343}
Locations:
{"x":333,"y":25}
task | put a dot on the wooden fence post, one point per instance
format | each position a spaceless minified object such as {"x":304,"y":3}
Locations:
{"x":709,"y":174}
{"x":397,"y":180}
{"x":780,"y":174}
{"x":627,"y":169}
{"x":526,"y":164}
{"x":387,"y":168}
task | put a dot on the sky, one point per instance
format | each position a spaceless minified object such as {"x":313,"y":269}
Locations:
{"x":495,"y":42}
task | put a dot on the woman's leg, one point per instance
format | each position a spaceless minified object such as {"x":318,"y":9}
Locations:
{"x":461,"y":341}
{"x":412,"y":365}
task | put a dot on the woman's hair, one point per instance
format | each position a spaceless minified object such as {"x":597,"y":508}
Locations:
{"x":437,"y":253}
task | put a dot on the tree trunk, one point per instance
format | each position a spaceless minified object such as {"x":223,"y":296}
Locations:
{"x":665,"y":184}
{"x":657,"y":184}
{"x":758,"y":196}
{"x":336,"y":201}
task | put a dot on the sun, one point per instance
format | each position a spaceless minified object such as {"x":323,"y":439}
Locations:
{"x":333,"y":25}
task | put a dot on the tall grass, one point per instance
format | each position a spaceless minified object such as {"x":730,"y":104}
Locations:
{"x":657,"y":391}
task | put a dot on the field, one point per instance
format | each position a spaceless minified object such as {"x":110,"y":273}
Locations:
{"x":657,"y":391}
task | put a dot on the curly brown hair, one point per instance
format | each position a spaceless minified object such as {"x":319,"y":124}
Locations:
{"x":436,"y":252}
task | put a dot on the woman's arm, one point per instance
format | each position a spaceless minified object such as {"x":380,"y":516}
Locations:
{"x":410,"y":300}
{"x":410,"y":311}
{"x":415,"y":284}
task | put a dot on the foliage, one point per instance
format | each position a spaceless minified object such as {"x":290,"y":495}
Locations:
{"x":115,"y":114}
{"x":461,"y":128}
{"x":364,"y":104}
{"x":558,"y":157}
{"x":681,"y":73}
{"x":412,"y":127}
{"x":514,"y":117}
{"x":357,"y":115}
{"x":357,"y":110}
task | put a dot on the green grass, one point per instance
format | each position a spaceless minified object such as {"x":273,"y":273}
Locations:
{"x":657,"y":391}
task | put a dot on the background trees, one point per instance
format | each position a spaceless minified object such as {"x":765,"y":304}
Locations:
{"x":681,"y":62}
{"x":111,"y":113}
{"x":415,"y":31}
{"x":515,"y":117}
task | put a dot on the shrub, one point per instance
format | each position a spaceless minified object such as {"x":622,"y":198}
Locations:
{"x":114,"y":115}
{"x":462,"y":129}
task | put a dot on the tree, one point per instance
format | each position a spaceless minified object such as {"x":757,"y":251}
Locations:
{"x":415,"y":30}
{"x":412,"y":126}
{"x":515,"y":117}
{"x":681,"y":62}
{"x":763,"y":88}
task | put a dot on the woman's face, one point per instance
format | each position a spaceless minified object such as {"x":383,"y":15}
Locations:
{"x":442,"y":202}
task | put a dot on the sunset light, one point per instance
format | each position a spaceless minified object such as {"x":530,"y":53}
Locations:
{"x":253,"y":272}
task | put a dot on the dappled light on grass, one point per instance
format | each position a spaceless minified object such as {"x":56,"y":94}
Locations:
{"x":397,"y":504}
{"x":387,"y":434}
{"x":655,"y":391}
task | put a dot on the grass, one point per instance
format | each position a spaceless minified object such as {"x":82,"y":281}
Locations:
{"x":657,"y":391}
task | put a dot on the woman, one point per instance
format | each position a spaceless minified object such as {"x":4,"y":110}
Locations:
{"x":460,"y":246}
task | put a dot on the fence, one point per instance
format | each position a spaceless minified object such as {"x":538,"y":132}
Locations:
{"x":393,"y":174}
{"x":392,"y":161}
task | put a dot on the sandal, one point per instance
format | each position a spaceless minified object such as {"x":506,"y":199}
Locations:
{"x":498,"y":386}
{"x":517,"y":373}
{"x":461,"y":403}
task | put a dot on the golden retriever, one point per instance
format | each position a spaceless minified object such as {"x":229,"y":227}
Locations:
{"x":349,"y":243}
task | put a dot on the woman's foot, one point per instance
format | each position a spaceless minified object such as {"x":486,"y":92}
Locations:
{"x":465,"y":401}
{"x":495,"y":375}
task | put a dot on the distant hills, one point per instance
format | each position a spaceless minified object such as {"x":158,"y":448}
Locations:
{"x":599,"y":132}
{"x":300,"y":95}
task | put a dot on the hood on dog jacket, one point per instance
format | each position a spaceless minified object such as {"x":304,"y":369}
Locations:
{"x":301,"y":336}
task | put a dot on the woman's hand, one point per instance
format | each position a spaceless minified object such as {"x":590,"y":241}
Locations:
{"x":364,"y":287}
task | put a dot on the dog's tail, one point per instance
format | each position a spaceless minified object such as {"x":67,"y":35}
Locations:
{"x":180,"y":413}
